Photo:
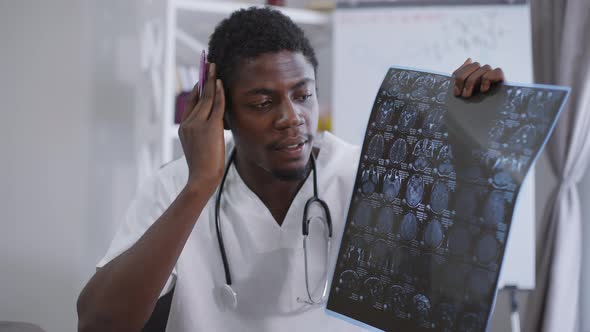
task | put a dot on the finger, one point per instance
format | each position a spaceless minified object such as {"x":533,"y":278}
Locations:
{"x":206,"y":101}
{"x":465,"y":64}
{"x":191,"y":102}
{"x":473,"y":81}
{"x":462,"y":75}
{"x":491,"y":77}
{"x":219,"y":104}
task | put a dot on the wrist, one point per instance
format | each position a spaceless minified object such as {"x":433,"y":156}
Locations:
{"x":200,"y":186}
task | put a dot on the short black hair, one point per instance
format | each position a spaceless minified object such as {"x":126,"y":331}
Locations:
{"x":248,"y":33}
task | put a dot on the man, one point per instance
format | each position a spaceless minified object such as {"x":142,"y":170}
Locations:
{"x":261,"y":86}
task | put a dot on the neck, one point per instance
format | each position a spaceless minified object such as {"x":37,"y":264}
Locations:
{"x":276,"y":194}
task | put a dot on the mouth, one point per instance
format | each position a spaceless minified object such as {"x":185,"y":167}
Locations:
{"x":293,"y":148}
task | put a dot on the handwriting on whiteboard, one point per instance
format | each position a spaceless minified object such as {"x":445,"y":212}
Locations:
{"x":470,"y":34}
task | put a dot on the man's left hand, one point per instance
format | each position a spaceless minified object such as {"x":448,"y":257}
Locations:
{"x":471,"y":77}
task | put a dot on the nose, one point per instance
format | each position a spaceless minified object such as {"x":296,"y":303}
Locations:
{"x":289,"y":116}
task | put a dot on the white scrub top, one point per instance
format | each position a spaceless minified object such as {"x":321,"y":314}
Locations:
{"x":266,"y":259}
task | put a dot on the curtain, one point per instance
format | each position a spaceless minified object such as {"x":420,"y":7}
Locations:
{"x":561,"y":54}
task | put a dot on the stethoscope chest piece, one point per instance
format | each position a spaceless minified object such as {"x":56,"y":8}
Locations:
{"x":229,"y":297}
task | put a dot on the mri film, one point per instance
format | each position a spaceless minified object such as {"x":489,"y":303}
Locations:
{"x":432,"y":206}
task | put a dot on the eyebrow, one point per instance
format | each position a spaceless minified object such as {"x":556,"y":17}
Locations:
{"x":265,"y":91}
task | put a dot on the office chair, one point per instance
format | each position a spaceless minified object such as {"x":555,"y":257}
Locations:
{"x":19,"y":327}
{"x":159,"y":317}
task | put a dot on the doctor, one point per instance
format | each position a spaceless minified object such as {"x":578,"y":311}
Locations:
{"x":261,"y":86}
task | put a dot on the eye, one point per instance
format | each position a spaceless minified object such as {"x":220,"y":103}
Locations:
{"x":262,"y":105}
{"x":304,"y":97}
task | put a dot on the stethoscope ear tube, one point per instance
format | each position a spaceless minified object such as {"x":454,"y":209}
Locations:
{"x":218,"y":224}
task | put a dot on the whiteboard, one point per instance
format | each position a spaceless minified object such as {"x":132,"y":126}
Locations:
{"x":368,"y":41}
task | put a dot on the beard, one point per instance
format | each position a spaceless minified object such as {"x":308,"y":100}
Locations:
{"x":296,"y":174}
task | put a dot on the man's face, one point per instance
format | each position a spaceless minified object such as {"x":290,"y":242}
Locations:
{"x":274,"y":112}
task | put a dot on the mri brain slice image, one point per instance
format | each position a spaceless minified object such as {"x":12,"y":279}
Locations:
{"x":375,"y":150}
{"x":515,"y":100}
{"x":398,"y":151}
{"x":443,"y":91}
{"x":396,"y":299}
{"x":414,"y":190}
{"x":494,"y":208}
{"x":538,"y":105}
{"x":398,"y":84}
{"x":355,"y":250}
{"x":408,"y":227}
{"x":385,"y":220}
{"x":502,"y":179}
{"x":369,"y":180}
{"x":433,"y":234}
{"x":380,"y":255}
{"x":460,"y":240}
{"x":407,"y":119}
{"x":525,"y":137}
{"x":422,"y":87}
{"x":433,"y":122}
{"x":439,"y":197}
{"x":444,"y":161}
{"x":487,"y":249}
{"x":372,"y":289}
{"x":497,"y":131}
{"x":384,"y":115}
{"x":421,"y":308}
{"x":392,"y":184}
{"x":348,"y":281}
{"x":362,"y":215}
{"x":466,"y":203}
{"x":423,"y":153}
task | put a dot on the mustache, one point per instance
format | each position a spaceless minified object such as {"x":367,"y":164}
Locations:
{"x":284,"y":140}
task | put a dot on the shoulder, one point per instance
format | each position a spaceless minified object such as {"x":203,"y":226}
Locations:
{"x":338,"y":158}
{"x":337,"y":151}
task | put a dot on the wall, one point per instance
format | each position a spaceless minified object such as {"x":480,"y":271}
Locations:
{"x":44,"y":121}
{"x":67,"y":119}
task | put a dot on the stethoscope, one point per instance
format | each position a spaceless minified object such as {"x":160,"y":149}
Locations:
{"x":230,"y":297}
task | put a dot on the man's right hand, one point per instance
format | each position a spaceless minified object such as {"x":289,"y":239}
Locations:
{"x":201,"y":134}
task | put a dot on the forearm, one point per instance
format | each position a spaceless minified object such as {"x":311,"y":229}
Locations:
{"x":123,"y":293}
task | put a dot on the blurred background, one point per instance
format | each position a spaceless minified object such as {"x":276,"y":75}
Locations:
{"x":91,"y":92}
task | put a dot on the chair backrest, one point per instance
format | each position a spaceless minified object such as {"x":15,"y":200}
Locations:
{"x":19,"y":327}
{"x":159,"y":317}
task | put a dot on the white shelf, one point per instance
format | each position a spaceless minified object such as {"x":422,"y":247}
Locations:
{"x":173,"y":131}
{"x":301,"y":16}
